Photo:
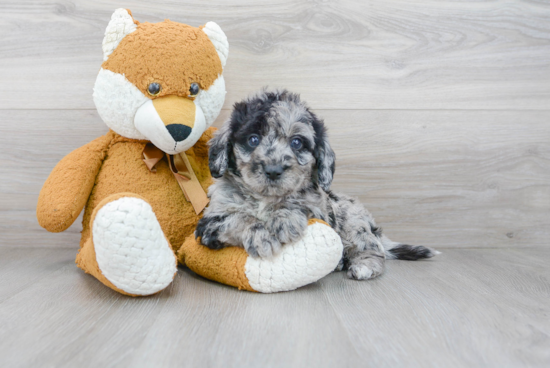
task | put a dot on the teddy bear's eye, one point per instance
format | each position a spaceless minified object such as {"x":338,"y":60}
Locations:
{"x":194,"y":89}
{"x":153,"y":89}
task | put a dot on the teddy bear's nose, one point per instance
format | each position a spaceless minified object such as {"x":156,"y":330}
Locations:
{"x":178,"y":132}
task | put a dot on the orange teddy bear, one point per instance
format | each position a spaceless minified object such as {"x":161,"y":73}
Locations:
{"x":143,"y":185}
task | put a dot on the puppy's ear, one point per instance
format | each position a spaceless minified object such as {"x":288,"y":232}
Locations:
{"x":326,"y":160}
{"x":220,"y":151}
{"x":324,"y":155}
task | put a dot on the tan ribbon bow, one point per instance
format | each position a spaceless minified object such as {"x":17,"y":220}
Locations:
{"x":183,"y":172}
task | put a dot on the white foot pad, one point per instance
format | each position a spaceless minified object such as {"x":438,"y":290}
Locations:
{"x":311,"y":258}
{"x":130,"y":247}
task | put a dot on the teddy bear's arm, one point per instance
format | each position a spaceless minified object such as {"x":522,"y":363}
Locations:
{"x":69,"y":185}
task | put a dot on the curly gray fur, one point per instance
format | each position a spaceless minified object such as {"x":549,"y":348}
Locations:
{"x":269,"y":187}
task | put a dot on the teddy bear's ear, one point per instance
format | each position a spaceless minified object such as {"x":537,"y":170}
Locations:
{"x":120,"y":25}
{"x":218,"y":38}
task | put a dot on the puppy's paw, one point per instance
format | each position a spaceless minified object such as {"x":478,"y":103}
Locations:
{"x":210,"y":240}
{"x":287,"y":227}
{"x":208,"y":234}
{"x":258,"y":242}
{"x":365,"y":269}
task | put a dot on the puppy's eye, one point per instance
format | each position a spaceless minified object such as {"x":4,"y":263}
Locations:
{"x":194,"y":89}
{"x":153,"y":89}
{"x":296,"y":143}
{"x":253,"y":140}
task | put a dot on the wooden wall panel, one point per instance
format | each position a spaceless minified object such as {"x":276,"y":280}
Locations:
{"x":340,"y":54}
{"x":438,"y":110}
{"x":440,"y":178}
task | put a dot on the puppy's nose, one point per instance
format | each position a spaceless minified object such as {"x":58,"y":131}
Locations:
{"x":178,"y":132}
{"x":273,"y":171}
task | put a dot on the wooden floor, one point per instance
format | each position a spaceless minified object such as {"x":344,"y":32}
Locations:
{"x":439,"y":114}
{"x":467,"y":308}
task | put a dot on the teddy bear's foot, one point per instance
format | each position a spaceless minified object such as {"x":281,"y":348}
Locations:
{"x":300,"y":263}
{"x":128,"y":249}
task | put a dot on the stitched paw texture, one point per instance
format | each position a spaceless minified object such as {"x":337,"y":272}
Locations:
{"x":131,"y":249}
{"x":300,"y":263}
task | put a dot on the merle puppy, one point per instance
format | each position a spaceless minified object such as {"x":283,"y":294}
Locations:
{"x":274,"y":167}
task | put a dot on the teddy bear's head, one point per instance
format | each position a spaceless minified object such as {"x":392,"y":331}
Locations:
{"x":161,"y":82}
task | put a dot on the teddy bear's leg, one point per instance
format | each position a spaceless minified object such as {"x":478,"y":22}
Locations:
{"x":128,"y":251}
{"x":300,"y":263}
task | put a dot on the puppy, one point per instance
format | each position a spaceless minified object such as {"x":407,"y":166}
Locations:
{"x":274,"y":167}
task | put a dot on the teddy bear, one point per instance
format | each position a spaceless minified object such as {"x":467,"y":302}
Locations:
{"x":143,"y":185}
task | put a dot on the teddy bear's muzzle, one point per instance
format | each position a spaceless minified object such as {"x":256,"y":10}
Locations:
{"x":172,"y":123}
{"x":175,"y":110}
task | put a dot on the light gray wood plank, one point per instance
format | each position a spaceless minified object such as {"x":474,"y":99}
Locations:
{"x":68,"y":319}
{"x":21,"y":268}
{"x":448,"y":178}
{"x":241,"y":329}
{"x":465,"y":308}
{"x":340,"y":55}
{"x":21,"y":229}
{"x":57,"y":320}
{"x":482,"y":307}
{"x":439,"y":178}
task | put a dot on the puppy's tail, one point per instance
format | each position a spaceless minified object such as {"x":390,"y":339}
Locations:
{"x":407,"y":252}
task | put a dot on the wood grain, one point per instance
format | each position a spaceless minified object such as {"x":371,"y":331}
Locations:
{"x":438,"y":112}
{"x":468,"y":302}
{"x":340,"y":55}
{"x":475,"y":307}
{"x":440,"y":178}
{"x":22,"y":268}
{"x":448,"y":179}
